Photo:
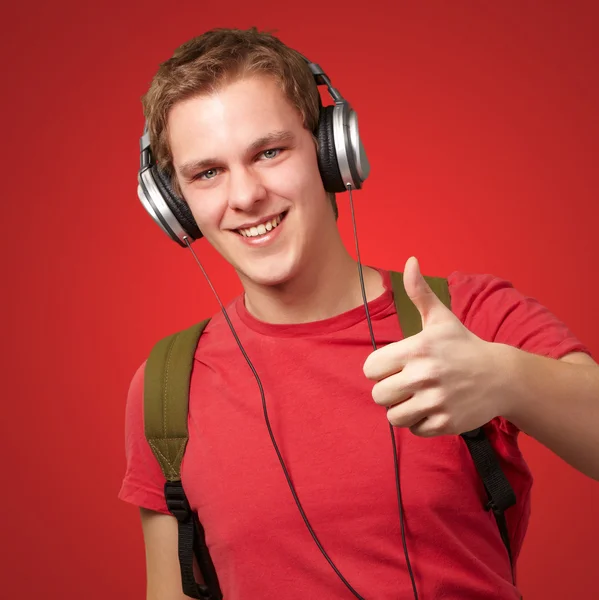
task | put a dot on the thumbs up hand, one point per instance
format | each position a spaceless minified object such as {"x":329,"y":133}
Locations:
{"x":444,"y":380}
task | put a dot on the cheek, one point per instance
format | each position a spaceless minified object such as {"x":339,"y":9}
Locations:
{"x":294,"y":178}
{"x":207,"y":210}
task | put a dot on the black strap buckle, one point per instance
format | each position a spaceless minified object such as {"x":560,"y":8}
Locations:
{"x":490,"y":505}
{"x":176,"y":501}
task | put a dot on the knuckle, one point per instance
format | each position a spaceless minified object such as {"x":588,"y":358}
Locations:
{"x":396,"y":417}
{"x":424,"y":346}
{"x":444,"y":424}
{"x":379,"y":393}
{"x":438,"y":401}
{"x":431,"y":372}
{"x":393,"y":418}
{"x":367,"y":368}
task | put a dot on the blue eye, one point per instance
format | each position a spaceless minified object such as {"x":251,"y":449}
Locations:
{"x":209,"y":174}
{"x":271,"y":153}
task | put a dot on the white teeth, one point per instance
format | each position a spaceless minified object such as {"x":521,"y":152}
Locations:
{"x":262,"y":228}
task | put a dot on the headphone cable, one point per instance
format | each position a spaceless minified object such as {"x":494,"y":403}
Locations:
{"x":395,"y":461}
{"x":272,"y":437}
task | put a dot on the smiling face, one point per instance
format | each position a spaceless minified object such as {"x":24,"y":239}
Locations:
{"x":247,"y":167}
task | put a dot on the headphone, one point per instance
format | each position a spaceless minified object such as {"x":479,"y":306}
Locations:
{"x":342,"y":163}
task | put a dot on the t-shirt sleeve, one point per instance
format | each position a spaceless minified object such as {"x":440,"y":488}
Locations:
{"x":143,"y":483}
{"x":495,"y":311}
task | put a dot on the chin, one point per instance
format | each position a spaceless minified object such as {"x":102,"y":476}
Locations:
{"x":270,"y":273}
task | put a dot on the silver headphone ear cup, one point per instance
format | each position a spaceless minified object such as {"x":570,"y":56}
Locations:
{"x":177,"y":206}
{"x":353,"y":163}
{"x":158,"y":202}
{"x":156,"y":207}
{"x":359,"y":159}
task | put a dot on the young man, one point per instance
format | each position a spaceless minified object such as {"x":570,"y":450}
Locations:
{"x":232,"y":120}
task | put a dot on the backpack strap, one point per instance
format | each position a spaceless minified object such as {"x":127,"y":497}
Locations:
{"x":499,"y":491}
{"x":166,"y":402}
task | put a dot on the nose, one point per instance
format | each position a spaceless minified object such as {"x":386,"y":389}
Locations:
{"x":245,"y":189}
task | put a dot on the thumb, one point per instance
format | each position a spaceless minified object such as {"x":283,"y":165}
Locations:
{"x":429,"y":306}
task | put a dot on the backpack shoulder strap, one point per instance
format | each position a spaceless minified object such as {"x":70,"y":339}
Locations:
{"x":409,"y":317}
{"x":166,"y":402}
{"x":166,"y":397}
{"x":499,"y":491}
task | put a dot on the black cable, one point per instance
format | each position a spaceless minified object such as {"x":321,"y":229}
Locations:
{"x":395,"y":461}
{"x":272,"y":437}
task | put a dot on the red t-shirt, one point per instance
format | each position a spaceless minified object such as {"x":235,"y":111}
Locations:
{"x":336,"y":444}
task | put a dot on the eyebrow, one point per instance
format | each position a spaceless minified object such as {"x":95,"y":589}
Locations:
{"x":276,"y":137}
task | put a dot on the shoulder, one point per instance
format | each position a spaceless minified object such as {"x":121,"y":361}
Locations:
{"x":163,"y":349}
{"x":484,"y":296}
{"x":492,"y":308}
{"x":472,"y":293}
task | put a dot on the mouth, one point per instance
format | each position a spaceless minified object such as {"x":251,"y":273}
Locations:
{"x":262,"y":228}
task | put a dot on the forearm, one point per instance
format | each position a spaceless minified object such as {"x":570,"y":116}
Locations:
{"x":555,"y":402}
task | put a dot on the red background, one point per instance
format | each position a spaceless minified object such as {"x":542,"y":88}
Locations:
{"x":481,"y":125}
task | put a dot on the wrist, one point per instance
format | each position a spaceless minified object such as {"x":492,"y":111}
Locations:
{"x":506,"y":377}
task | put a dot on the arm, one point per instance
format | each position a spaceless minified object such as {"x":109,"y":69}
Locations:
{"x":557,"y":403}
{"x":143,"y":486}
{"x":448,"y":380}
{"x":550,"y":386}
{"x":162,"y":563}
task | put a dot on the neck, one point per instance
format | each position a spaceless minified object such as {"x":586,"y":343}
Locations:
{"x":324,"y":290}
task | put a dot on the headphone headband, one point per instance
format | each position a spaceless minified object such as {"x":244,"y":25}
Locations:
{"x":320,"y":77}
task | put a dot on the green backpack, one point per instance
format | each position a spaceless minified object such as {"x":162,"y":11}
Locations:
{"x":166,"y":397}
